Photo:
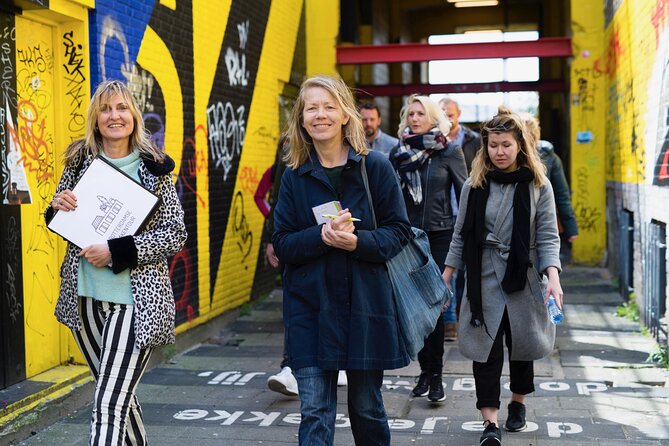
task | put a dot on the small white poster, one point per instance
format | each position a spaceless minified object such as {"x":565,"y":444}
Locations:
{"x":110,"y":205}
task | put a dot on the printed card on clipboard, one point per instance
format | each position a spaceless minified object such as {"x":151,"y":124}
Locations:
{"x":110,"y":204}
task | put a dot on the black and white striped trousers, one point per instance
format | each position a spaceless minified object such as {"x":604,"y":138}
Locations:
{"x":107,"y":341}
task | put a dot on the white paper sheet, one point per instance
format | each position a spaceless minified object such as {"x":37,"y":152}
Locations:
{"x":110,"y":205}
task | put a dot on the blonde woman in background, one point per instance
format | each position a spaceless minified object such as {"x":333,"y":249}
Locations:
{"x":428,"y":166}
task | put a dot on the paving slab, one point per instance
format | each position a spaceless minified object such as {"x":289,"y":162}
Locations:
{"x":595,"y":389}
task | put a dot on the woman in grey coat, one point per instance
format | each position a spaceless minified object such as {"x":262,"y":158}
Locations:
{"x":506,"y":236}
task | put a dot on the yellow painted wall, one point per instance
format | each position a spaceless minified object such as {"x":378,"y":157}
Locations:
{"x":322,"y":17}
{"x":236,"y":270}
{"x":588,"y":105}
{"x":205,"y":36}
{"x":636,"y":60}
{"x":52,"y":72}
{"x":60,"y":97}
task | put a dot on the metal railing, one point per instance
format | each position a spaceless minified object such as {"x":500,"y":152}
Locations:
{"x":655,"y":281}
{"x":626,"y":254}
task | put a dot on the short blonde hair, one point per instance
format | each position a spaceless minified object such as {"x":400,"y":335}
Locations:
{"x":140,"y":138}
{"x":433,"y":112}
{"x":506,"y":121}
{"x":300,"y":140}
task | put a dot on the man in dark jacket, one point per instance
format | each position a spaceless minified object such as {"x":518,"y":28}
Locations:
{"x":470,"y":142}
{"x":460,"y":134}
{"x":555,"y":173}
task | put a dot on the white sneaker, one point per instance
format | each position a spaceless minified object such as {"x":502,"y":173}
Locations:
{"x":283,"y":382}
{"x":342,"y":380}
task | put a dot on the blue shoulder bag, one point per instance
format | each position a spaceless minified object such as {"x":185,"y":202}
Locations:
{"x":419,"y":291}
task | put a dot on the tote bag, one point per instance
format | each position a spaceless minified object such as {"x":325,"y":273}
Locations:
{"x":419,"y":292}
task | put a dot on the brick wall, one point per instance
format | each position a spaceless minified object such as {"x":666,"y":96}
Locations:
{"x":637,"y":141}
{"x":208,"y":77}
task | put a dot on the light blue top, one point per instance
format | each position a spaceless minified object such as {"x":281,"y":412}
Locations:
{"x":102,"y":283}
{"x":383,"y":143}
{"x":460,"y":137}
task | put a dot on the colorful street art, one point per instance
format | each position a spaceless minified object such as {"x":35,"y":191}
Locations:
{"x":208,"y":77}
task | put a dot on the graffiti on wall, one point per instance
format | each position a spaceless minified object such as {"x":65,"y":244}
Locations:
{"x":75,"y":87}
{"x":229,"y":103}
{"x":660,"y":141}
{"x":658,"y":93}
{"x":15,"y":187}
{"x":224,"y":128}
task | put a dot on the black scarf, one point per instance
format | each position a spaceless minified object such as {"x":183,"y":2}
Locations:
{"x":473,"y":234}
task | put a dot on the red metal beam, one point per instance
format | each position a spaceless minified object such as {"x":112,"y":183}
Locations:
{"x":543,"y":86}
{"x":422,"y":52}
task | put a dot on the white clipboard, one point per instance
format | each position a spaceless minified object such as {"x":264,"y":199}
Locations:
{"x":110,"y":204}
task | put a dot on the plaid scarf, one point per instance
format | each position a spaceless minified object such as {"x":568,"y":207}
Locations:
{"x":414,"y":150}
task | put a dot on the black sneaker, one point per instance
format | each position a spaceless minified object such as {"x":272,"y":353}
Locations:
{"x":422,"y":386}
{"x":436,"y":388}
{"x":515,"y":421}
{"x":492,"y":436}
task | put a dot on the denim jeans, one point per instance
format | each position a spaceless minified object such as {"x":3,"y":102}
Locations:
{"x":318,"y":406}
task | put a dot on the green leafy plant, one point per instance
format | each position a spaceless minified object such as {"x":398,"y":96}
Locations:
{"x":660,"y":357}
{"x":629,"y":310}
{"x":169,"y":352}
{"x":246,"y":309}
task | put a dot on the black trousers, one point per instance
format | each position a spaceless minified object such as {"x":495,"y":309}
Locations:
{"x":431,"y":356}
{"x":487,"y":374}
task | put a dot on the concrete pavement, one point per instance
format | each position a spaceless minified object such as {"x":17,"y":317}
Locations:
{"x":596,"y":388}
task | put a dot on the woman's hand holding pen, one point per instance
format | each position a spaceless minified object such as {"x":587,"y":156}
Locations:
{"x":64,"y":201}
{"x":338,"y":232}
{"x":343,"y":222}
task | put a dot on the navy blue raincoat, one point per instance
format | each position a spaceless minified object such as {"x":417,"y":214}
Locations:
{"x":337,"y":305}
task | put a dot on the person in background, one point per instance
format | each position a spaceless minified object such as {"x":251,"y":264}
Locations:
{"x":428,"y":165}
{"x":470,"y":141}
{"x":266,"y":194}
{"x":506,"y":235}
{"x":460,"y":134}
{"x":116,"y":297}
{"x":265,"y":197}
{"x":339,"y":312}
{"x":555,"y":172}
{"x":371,"y":121}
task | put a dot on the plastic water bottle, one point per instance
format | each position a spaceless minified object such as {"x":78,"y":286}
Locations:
{"x":554,"y":313}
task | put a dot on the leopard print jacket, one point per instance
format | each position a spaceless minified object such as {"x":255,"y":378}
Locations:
{"x":144,"y":254}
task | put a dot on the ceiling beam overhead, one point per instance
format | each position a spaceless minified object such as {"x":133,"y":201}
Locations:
{"x":542,"y":86}
{"x":423,"y":52}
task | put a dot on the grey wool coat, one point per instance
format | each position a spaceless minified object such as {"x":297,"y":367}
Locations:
{"x":532,"y":333}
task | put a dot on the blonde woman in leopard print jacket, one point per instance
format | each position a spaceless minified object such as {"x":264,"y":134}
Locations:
{"x":119,"y":313}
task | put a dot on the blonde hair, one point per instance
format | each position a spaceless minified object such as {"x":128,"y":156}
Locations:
{"x":506,"y":121}
{"x":300,"y":140}
{"x":532,"y":125}
{"x":140,"y":138}
{"x":433,"y":113}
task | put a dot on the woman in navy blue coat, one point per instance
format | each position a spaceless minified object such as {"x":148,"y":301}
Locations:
{"x":338,"y":307}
